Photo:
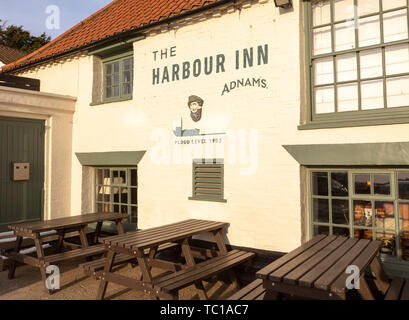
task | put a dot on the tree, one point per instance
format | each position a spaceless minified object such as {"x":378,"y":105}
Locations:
{"x":16,"y":37}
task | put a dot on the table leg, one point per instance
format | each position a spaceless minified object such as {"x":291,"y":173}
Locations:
{"x":381,"y":279}
{"x":108,"y":268}
{"x":61,"y":235}
{"x":12,"y":267}
{"x":143,"y":264}
{"x":190,"y":261}
{"x":119,"y":227}
{"x":364,"y":289}
{"x":40,"y":257}
{"x":97,"y":232}
{"x":218,"y":235}
{"x":83,"y":237}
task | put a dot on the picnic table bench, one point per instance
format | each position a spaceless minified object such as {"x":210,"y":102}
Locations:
{"x":317,"y":269}
{"x":253,"y":291}
{"x":63,"y":226}
{"x":398,"y":290}
{"x":138,"y":244}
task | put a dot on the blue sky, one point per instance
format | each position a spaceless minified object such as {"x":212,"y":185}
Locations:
{"x":31,"y":14}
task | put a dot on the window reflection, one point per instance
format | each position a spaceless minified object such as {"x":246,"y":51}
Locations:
{"x":362,"y":213}
{"x":362,"y":183}
{"x":385,"y":217}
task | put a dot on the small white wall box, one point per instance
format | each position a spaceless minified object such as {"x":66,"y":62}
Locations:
{"x":21,"y":171}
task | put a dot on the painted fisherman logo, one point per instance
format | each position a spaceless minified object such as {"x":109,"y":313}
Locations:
{"x":195,"y":105}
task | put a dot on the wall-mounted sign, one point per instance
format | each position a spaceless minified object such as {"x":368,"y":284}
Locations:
{"x":206,"y":66}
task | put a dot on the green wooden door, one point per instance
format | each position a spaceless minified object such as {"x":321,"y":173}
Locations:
{"x":21,"y":140}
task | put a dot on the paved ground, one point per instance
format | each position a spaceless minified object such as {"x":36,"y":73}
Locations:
{"x":28,"y":285}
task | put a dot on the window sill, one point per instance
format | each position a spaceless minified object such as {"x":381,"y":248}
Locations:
{"x":207,"y":199}
{"x":345,"y":123}
{"x":113,"y":101}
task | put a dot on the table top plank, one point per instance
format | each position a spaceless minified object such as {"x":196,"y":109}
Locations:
{"x":124,"y":237}
{"x":278,"y":274}
{"x":177,"y":235}
{"x":264,"y":272}
{"x":142,"y":239}
{"x":151,"y":234}
{"x":293,"y":276}
{"x":67,"y":222}
{"x":337,"y":269}
{"x":309,"y":278}
{"x":362,"y":262}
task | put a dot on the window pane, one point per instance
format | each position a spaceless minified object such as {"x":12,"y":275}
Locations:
{"x":382,"y":184}
{"x":384,"y":217}
{"x":116,"y":67}
{"x":403,"y":184}
{"x":367,"y":6}
{"x":340,"y":211}
{"x":126,"y":88}
{"x":108,"y":68}
{"x":390,"y":4}
{"x":395,"y":25}
{"x":134,"y":181}
{"x":404,"y":244}
{"x":116,"y":208}
{"x":108,"y":81}
{"x":346,"y":67}
{"x":339,"y":184}
{"x":397,"y":59}
{"x":134,"y":214}
{"x":369,"y":31}
{"x":362,"y":213}
{"x":404,"y":216}
{"x":100,"y":193}
{"x":122,"y":175}
{"x":388,"y":242}
{"x":322,"y":40}
{"x":321,"y":12}
{"x":320,"y":183}
{"x":128,"y":64}
{"x":116,"y":79}
{"x":115,"y":91}
{"x":321,"y":230}
{"x":371,"y":63}
{"x":362,"y":183}
{"x":108,"y":92}
{"x":372,"y":94}
{"x":324,"y":100}
{"x":324,"y":70}
{"x":337,"y":231}
{"x":134,"y":196}
{"x":398,"y":91}
{"x":320,"y":210}
{"x":344,"y":9}
{"x":124,"y":195}
{"x":99,"y":176}
{"x":127,"y":76}
{"x":348,"y":97}
{"x":344,"y":36}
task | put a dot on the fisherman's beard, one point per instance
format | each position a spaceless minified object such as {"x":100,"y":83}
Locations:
{"x":196,"y":116}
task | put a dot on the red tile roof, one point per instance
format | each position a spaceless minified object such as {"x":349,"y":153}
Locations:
{"x":117,"y":17}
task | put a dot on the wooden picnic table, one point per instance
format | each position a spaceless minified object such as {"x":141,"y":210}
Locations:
{"x":317,"y":269}
{"x":63,"y":226}
{"x":143,"y":246}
